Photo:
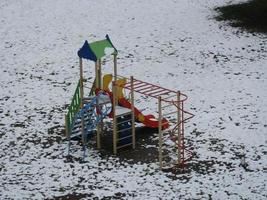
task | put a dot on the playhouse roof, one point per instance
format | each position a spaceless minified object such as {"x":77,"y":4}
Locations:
{"x":96,"y":50}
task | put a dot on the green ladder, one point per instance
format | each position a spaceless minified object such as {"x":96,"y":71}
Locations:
{"x":74,"y":107}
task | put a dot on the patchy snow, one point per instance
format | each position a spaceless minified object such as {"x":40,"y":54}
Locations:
{"x":176,"y":44}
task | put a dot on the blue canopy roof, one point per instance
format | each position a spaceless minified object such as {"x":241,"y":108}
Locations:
{"x":96,"y":50}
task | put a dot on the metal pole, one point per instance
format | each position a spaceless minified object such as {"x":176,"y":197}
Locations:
{"x":182,"y":135}
{"x":133,"y":114}
{"x":101,"y":125}
{"x":98,"y":82}
{"x":115,"y":67}
{"x":114,"y":119}
{"x":66,"y":127}
{"x":160,"y":132}
{"x":67,"y":133}
{"x":81,"y":80}
{"x":96,"y":75}
{"x":99,"y":74}
{"x":81,"y":105}
{"x":115,"y":75}
{"x":179,"y":127}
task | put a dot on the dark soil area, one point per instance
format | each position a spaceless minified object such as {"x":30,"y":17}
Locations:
{"x":251,"y":15}
{"x":77,"y":196}
{"x":142,"y":153}
{"x":146,"y":150}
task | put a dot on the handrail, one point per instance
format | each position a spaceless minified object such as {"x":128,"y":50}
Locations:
{"x":73,"y":108}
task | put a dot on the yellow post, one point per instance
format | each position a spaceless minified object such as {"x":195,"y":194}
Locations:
{"x":133,"y":117}
{"x":115,"y":67}
{"x":179,"y":126}
{"x":160,"y":132}
{"x":114,"y":118}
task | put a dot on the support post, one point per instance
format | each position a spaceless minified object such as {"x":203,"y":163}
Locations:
{"x":133,"y":114}
{"x":179,"y":127}
{"x":115,"y":67}
{"x":160,"y":132}
{"x":99,"y":75}
{"x":115,"y":73}
{"x":101,"y":125}
{"x":114,"y":118}
{"x":67,"y":133}
{"x":182,"y":135}
{"x":98,"y":136}
{"x":66,"y":127}
{"x":81,"y":80}
{"x":81,"y":106}
{"x":98,"y":86}
{"x":96,"y":74}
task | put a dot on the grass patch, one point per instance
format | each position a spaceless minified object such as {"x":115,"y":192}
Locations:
{"x":251,"y":15}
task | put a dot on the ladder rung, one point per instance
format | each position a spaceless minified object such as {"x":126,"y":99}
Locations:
{"x":155,"y":92}
{"x":129,"y":120}
{"x":140,"y":86}
{"x":169,"y":105}
{"x":78,"y":125}
{"x":156,"y":96}
{"x":86,"y":117}
{"x":75,"y":134}
{"x":124,"y":130}
{"x":134,"y":83}
{"x":124,"y":114}
{"x":169,"y":97}
{"x":146,"y":88}
{"x":125,"y":145}
{"x":169,"y":113}
{"x":119,"y":139}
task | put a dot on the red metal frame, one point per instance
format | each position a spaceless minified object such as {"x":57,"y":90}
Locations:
{"x":156,"y":87}
{"x":178,"y":104}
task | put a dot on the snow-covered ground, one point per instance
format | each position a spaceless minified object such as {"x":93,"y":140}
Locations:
{"x":173,"y":43}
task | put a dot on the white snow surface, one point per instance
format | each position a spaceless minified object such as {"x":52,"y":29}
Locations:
{"x":173,"y":43}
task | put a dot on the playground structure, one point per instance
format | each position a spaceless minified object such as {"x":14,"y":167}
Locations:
{"x":87,"y":112}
